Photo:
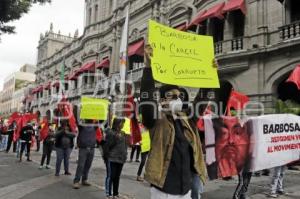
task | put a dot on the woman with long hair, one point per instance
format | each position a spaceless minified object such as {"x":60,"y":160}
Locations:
{"x":116,"y":155}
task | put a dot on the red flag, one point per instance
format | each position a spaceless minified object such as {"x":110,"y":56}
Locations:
{"x":18,"y":128}
{"x":135,"y":130}
{"x":66,"y":109}
{"x":200,"y":122}
{"x":130,"y":112}
{"x":295,"y":77}
{"x":237,"y":101}
{"x":13,"y":118}
{"x":44,"y":129}
{"x":99,"y":134}
{"x":129,"y":105}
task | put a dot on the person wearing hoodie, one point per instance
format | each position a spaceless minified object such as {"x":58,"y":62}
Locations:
{"x":48,"y":145}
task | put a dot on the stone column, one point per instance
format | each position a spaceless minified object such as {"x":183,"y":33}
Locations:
{"x":262,"y":22}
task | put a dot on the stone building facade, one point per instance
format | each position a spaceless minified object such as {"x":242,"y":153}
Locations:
{"x":257,"y":45}
{"x":15,"y":88}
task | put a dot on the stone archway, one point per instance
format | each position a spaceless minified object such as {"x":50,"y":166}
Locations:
{"x":288,"y":91}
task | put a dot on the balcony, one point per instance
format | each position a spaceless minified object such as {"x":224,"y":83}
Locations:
{"x":135,"y":75}
{"x":232,"y":45}
{"x":88,"y":88}
{"x":290,"y":31}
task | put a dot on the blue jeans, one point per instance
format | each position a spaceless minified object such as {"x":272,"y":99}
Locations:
{"x":277,"y":179}
{"x":62,"y":154}
{"x":3,"y":143}
{"x":197,"y":187}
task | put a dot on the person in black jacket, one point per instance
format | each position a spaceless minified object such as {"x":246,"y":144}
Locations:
{"x":48,"y":145}
{"x":86,"y":142}
{"x":10,"y":133}
{"x":64,"y":143}
{"x":116,"y":154}
{"x":27,"y":133}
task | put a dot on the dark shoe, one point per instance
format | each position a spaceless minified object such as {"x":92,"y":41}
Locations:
{"x":266,"y":173}
{"x":86,"y":183}
{"x":282,"y":193}
{"x":293,"y":168}
{"x":228,"y":178}
{"x":68,"y":173}
{"x":57,"y":175}
{"x":76,"y":185}
{"x":257,"y":174}
{"x":137,"y":161}
{"x":28,"y":160}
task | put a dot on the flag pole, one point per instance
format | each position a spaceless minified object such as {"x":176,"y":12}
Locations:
{"x":124,"y":56}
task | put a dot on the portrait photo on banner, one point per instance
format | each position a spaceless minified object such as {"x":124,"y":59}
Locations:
{"x":252,"y":144}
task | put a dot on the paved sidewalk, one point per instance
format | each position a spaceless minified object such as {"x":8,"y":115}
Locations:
{"x":129,"y":187}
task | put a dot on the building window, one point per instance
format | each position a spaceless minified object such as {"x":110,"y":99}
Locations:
{"x":75,"y":84}
{"x":135,"y":62}
{"x":90,"y":16}
{"x":202,"y":30}
{"x":96,"y":14}
{"x":295,"y":10}
{"x":106,"y":71}
{"x":217,"y":29}
{"x":237,"y":19}
{"x":66,"y":86}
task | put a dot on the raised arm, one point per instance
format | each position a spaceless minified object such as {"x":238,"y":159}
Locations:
{"x":148,"y":103}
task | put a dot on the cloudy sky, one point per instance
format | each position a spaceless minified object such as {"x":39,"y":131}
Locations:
{"x":21,"y":48}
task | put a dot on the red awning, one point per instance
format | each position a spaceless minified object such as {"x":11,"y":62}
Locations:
{"x":181,"y":27}
{"x":37,"y":89}
{"x":47,"y":86}
{"x":136,"y":48}
{"x":197,"y":19}
{"x":295,"y":77}
{"x":215,"y":11}
{"x":104,"y":63}
{"x":56,"y":84}
{"x":74,"y":75}
{"x":87,"y":67}
{"x":235,"y":5}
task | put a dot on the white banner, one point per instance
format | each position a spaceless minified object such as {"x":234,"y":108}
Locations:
{"x":258,"y":143}
{"x":275,"y":140}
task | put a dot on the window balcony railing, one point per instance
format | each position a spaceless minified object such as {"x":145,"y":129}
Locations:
{"x":136,"y":74}
{"x":236,"y":44}
{"x":290,"y":31}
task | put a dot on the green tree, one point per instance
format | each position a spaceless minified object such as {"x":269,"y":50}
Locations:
{"x":11,"y":10}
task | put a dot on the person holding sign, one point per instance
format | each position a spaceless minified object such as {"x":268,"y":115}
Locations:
{"x":86,"y":142}
{"x":174,"y":140}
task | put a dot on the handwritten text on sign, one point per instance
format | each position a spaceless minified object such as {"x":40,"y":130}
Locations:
{"x":93,"y":108}
{"x":182,"y":58}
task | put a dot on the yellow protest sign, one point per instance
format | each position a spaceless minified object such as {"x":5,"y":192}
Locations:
{"x":93,"y":108}
{"x":181,"y":58}
{"x":146,"y":142}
